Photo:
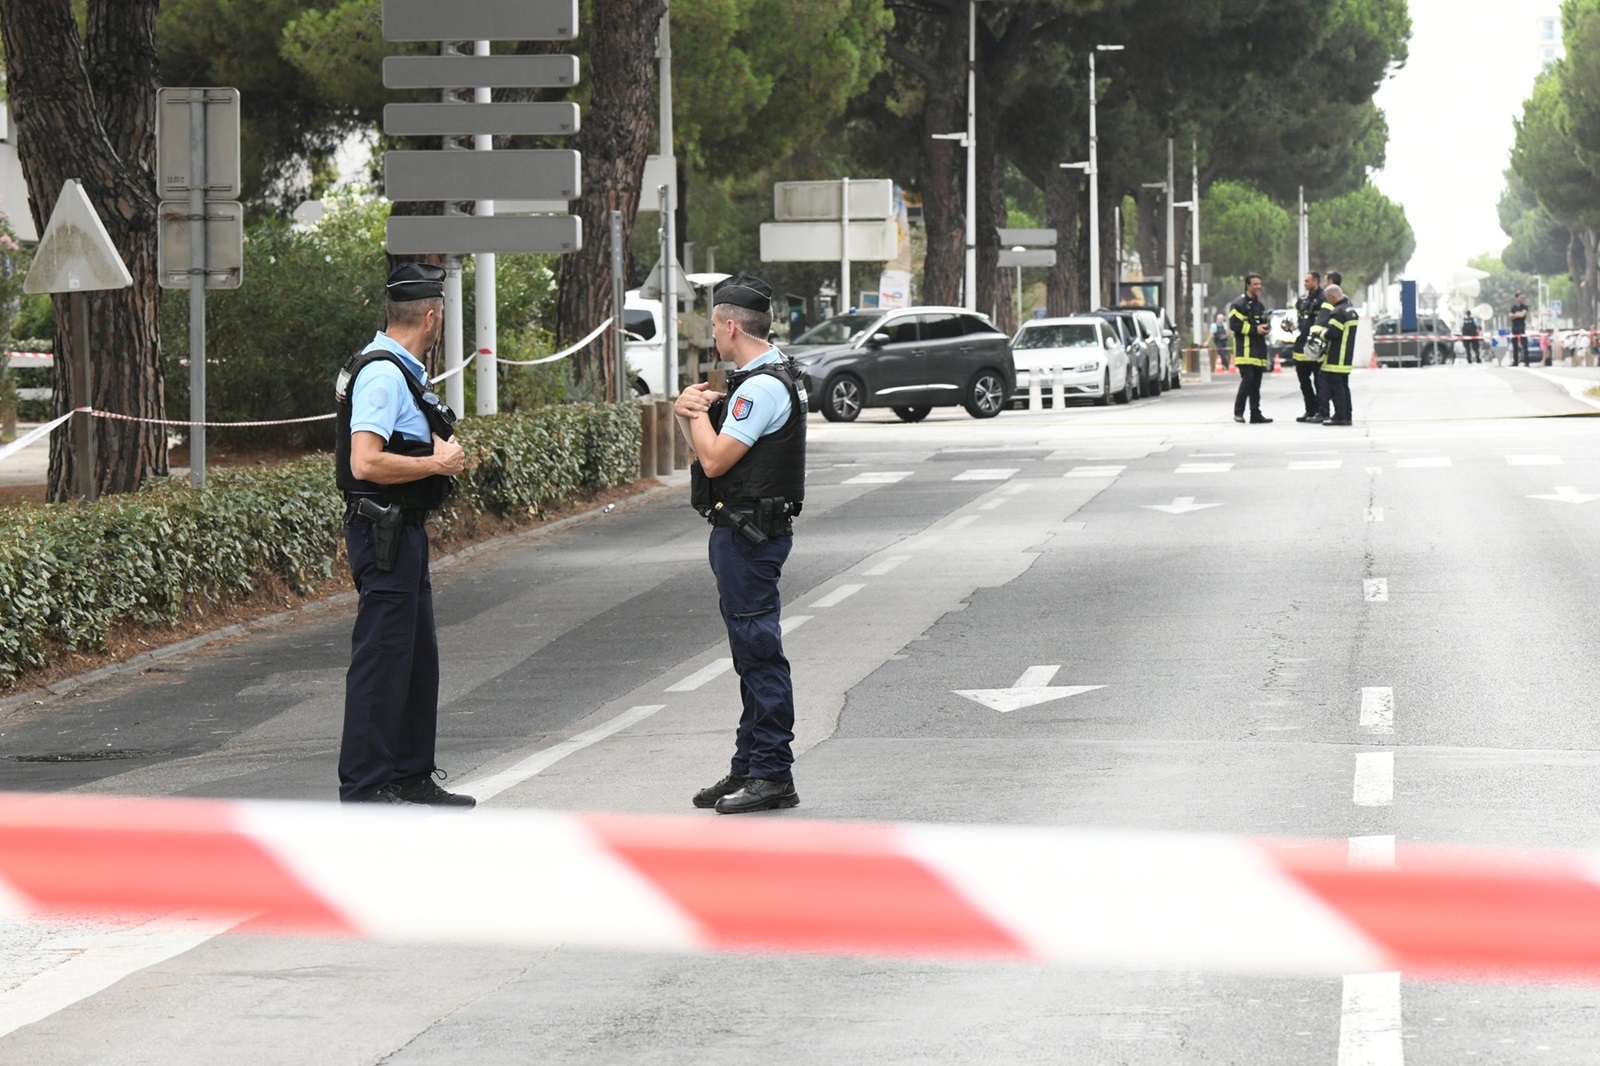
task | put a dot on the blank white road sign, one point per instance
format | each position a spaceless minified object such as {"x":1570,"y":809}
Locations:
{"x":535,"y":174}
{"x":480,"y":20}
{"x":468,"y":234}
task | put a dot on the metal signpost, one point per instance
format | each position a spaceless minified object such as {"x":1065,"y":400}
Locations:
{"x":76,"y":256}
{"x":200,"y":245}
{"x":483,"y":175}
{"x":822,"y":221}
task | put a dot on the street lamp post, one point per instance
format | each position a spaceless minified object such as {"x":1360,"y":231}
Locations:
{"x":1019,"y":248}
{"x":1094,"y":181}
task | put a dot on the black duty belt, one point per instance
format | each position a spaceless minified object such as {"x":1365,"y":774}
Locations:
{"x":408,"y":516}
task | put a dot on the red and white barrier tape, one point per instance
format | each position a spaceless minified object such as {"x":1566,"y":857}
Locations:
{"x":22,"y":359}
{"x":35,"y":433}
{"x":563,"y":353}
{"x":1084,"y":898}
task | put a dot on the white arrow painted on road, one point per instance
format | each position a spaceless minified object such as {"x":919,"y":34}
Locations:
{"x":1180,"y":505}
{"x":1032,"y":688}
{"x":1568,"y":494}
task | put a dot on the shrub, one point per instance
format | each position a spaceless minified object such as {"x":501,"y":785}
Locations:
{"x":69,"y":574}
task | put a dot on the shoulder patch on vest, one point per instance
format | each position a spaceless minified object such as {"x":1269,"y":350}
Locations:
{"x":742,"y":408}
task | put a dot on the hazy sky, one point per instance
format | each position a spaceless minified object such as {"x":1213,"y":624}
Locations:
{"x":1450,"y":112}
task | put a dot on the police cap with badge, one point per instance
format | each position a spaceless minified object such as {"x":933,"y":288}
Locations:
{"x":744,"y":290}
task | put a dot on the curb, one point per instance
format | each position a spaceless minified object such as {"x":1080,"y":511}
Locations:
{"x":68,"y":685}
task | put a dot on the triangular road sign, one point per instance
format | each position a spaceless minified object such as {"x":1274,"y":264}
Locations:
{"x":651,"y":289}
{"x":75,"y":254}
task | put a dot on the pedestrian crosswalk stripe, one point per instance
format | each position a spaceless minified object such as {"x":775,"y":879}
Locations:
{"x":986,"y":475}
{"x":878,"y":477}
{"x":1204,"y":468}
{"x":1533,"y":460}
{"x":886,"y":565}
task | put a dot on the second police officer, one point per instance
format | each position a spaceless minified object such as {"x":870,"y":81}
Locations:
{"x":1247,"y":321}
{"x":1305,"y":366}
{"x":749,"y":479}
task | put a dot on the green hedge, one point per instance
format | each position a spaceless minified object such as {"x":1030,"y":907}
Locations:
{"x":69,"y":574}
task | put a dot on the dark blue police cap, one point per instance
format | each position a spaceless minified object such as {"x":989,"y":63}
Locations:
{"x":415,"y":281}
{"x":744,"y":290}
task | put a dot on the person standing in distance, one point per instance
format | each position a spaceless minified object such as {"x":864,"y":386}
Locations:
{"x":1247,"y":321}
{"x":1470,"y":331}
{"x":1219,"y":340}
{"x":395,"y":455}
{"x":749,"y":479}
{"x":1305,"y":366}
{"x":1519,"y":332}
{"x":1339,"y":355}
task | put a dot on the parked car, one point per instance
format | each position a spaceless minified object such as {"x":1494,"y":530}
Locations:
{"x":1431,"y":342}
{"x":642,"y":322}
{"x":1084,"y":349}
{"x":1143,"y":349}
{"x":910,"y":359}
{"x":1153,"y":320}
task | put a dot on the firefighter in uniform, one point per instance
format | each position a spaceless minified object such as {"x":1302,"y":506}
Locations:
{"x":395,"y":456}
{"x":748,"y":479}
{"x":1305,"y":366}
{"x":1247,"y":321}
{"x":1339,"y":355}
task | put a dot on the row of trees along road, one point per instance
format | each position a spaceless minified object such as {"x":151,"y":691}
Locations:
{"x":1277,"y":96}
{"x":1551,"y":206}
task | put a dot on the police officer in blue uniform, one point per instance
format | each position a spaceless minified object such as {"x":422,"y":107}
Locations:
{"x":395,"y":456}
{"x":748,"y":479}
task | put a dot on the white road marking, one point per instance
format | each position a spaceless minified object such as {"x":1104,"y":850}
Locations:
{"x":1371,"y":851}
{"x":1320,"y":451}
{"x":1376,"y":589}
{"x":887,"y":565}
{"x":1369,"y":1021}
{"x":1072,"y":527}
{"x":837,"y":596}
{"x":1428,"y":461}
{"x":488,"y":787}
{"x":1017,"y":488}
{"x":1374,"y":785}
{"x":991,"y":505}
{"x":962,"y":523}
{"x":1374,"y":514}
{"x":702,"y":676}
{"x":1204,"y":468}
{"x":1213,"y":455}
{"x":1316,"y":464}
{"x":987,"y":475}
{"x":1533,"y":460}
{"x":1180,"y":505}
{"x":105,"y":958}
{"x":1095,"y":471}
{"x":1377,"y":710}
{"x":793,"y":622}
{"x":1031,"y":689}
{"x":1374,"y":469}
{"x":1567,"y":494}
{"x":878,"y":477}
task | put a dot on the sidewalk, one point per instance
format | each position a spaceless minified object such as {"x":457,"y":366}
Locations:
{"x":31,"y":465}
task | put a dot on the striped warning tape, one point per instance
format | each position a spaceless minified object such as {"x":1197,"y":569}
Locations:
{"x":1085,"y":898}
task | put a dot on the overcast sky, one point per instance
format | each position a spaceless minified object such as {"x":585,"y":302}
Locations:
{"x":1450,"y":112}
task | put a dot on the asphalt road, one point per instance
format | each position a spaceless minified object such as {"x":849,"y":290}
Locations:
{"x":1230,"y":636}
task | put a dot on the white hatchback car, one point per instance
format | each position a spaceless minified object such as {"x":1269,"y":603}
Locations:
{"x":1082,"y":349}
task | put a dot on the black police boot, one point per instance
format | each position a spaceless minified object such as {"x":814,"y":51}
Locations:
{"x":759,"y":794}
{"x":426,"y":791}
{"x":1259,"y":420}
{"x":1238,"y":418}
{"x":386,"y":794}
{"x":707,"y":797}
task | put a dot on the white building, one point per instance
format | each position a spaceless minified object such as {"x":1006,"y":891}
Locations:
{"x":1551,"y":46}
{"x":13,"y":188}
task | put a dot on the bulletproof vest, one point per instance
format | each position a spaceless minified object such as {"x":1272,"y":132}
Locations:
{"x":775,"y":465}
{"x":426,"y":494}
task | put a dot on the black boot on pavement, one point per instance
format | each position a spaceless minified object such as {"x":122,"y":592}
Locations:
{"x":707,"y":797}
{"x":1259,"y":420}
{"x":759,"y":794}
{"x":426,"y":791}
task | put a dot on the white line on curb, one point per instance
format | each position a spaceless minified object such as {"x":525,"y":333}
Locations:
{"x":886,"y":565}
{"x":1369,"y":1021}
{"x":702,"y":675}
{"x":837,"y":596}
{"x":962,"y":523}
{"x":1377,"y":710}
{"x":494,"y":784}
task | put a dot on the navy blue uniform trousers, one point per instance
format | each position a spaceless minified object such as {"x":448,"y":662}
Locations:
{"x":391,"y":692}
{"x":747,"y":588}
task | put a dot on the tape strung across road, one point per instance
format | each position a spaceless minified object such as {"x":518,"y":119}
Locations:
{"x":1095,"y":899}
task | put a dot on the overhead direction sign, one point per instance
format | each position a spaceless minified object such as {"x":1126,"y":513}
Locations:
{"x":818,"y":201}
{"x":174,"y":166}
{"x":459,"y":119}
{"x":487,"y":72}
{"x":532,"y":174}
{"x":469,"y":234}
{"x":480,"y":20}
{"x":1028,"y":257}
{"x":75,"y":254}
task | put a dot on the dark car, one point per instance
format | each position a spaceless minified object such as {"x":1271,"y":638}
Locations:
{"x":911,"y":359}
{"x":1433,"y":341}
{"x":1144,"y":350}
{"x":1156,"y":326}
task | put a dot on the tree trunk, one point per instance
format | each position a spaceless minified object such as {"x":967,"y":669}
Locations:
{"x":943,"y":163}
{"x":615,"y":138}
{"x":1152,"y":238}
{"x":1589,"y":291}
{"x":85,"y":109}
{"x":1063,"y":196}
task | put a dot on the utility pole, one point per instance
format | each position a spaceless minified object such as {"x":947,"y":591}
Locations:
{"x":488,"y":376}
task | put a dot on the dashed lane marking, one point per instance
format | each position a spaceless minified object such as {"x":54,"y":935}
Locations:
{"x":1213,"y":455}
{"x":1095,"y":471}
{"x":1377,"y":710}
{"x":789,"y":625}
{"x":991,"y":505}
{"x":837,"y":596}
{"x":1374,"y":514}
{"x":488,"y":787}
{"x":878,"y":477}
{"x":1372,"y":851}
{"x":1423,"y":462}
{"x":886,"y":565}
{"x":999,"y":474}
{"x":962,"y":523}
{"x":1369,"y":1021}
{"x":1203,"y":468}
{"x":1316,"y":464}
{"x":702,"y":676}
{"x":1017,"y":488}
{"x":1376,"y":589}
{"x":1374,"y":469}
{"x":1374,"y":784}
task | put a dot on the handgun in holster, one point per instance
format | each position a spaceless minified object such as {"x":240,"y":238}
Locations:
{"x":741,"y":524}
{"x":386,"y":520}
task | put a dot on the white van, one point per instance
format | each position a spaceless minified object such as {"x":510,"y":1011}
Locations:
{"x":642,"y":320}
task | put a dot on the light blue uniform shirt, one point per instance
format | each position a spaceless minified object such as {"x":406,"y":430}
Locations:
{"x":382,"y":403}
{"x":759,"y":406}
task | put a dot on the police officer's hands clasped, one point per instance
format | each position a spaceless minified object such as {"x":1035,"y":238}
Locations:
{"x":448,"y":454}
{"x":695,"y":400}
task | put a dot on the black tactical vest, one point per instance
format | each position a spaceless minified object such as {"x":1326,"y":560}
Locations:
{"x":427,"y":494}
{"x":775,"y":465}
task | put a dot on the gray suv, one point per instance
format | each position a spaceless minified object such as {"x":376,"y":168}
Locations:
{"x":911,"y":360}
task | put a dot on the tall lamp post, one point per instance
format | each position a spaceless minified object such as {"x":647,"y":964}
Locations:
{"x":969,"y":141}
{"x":1094,"y":181}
